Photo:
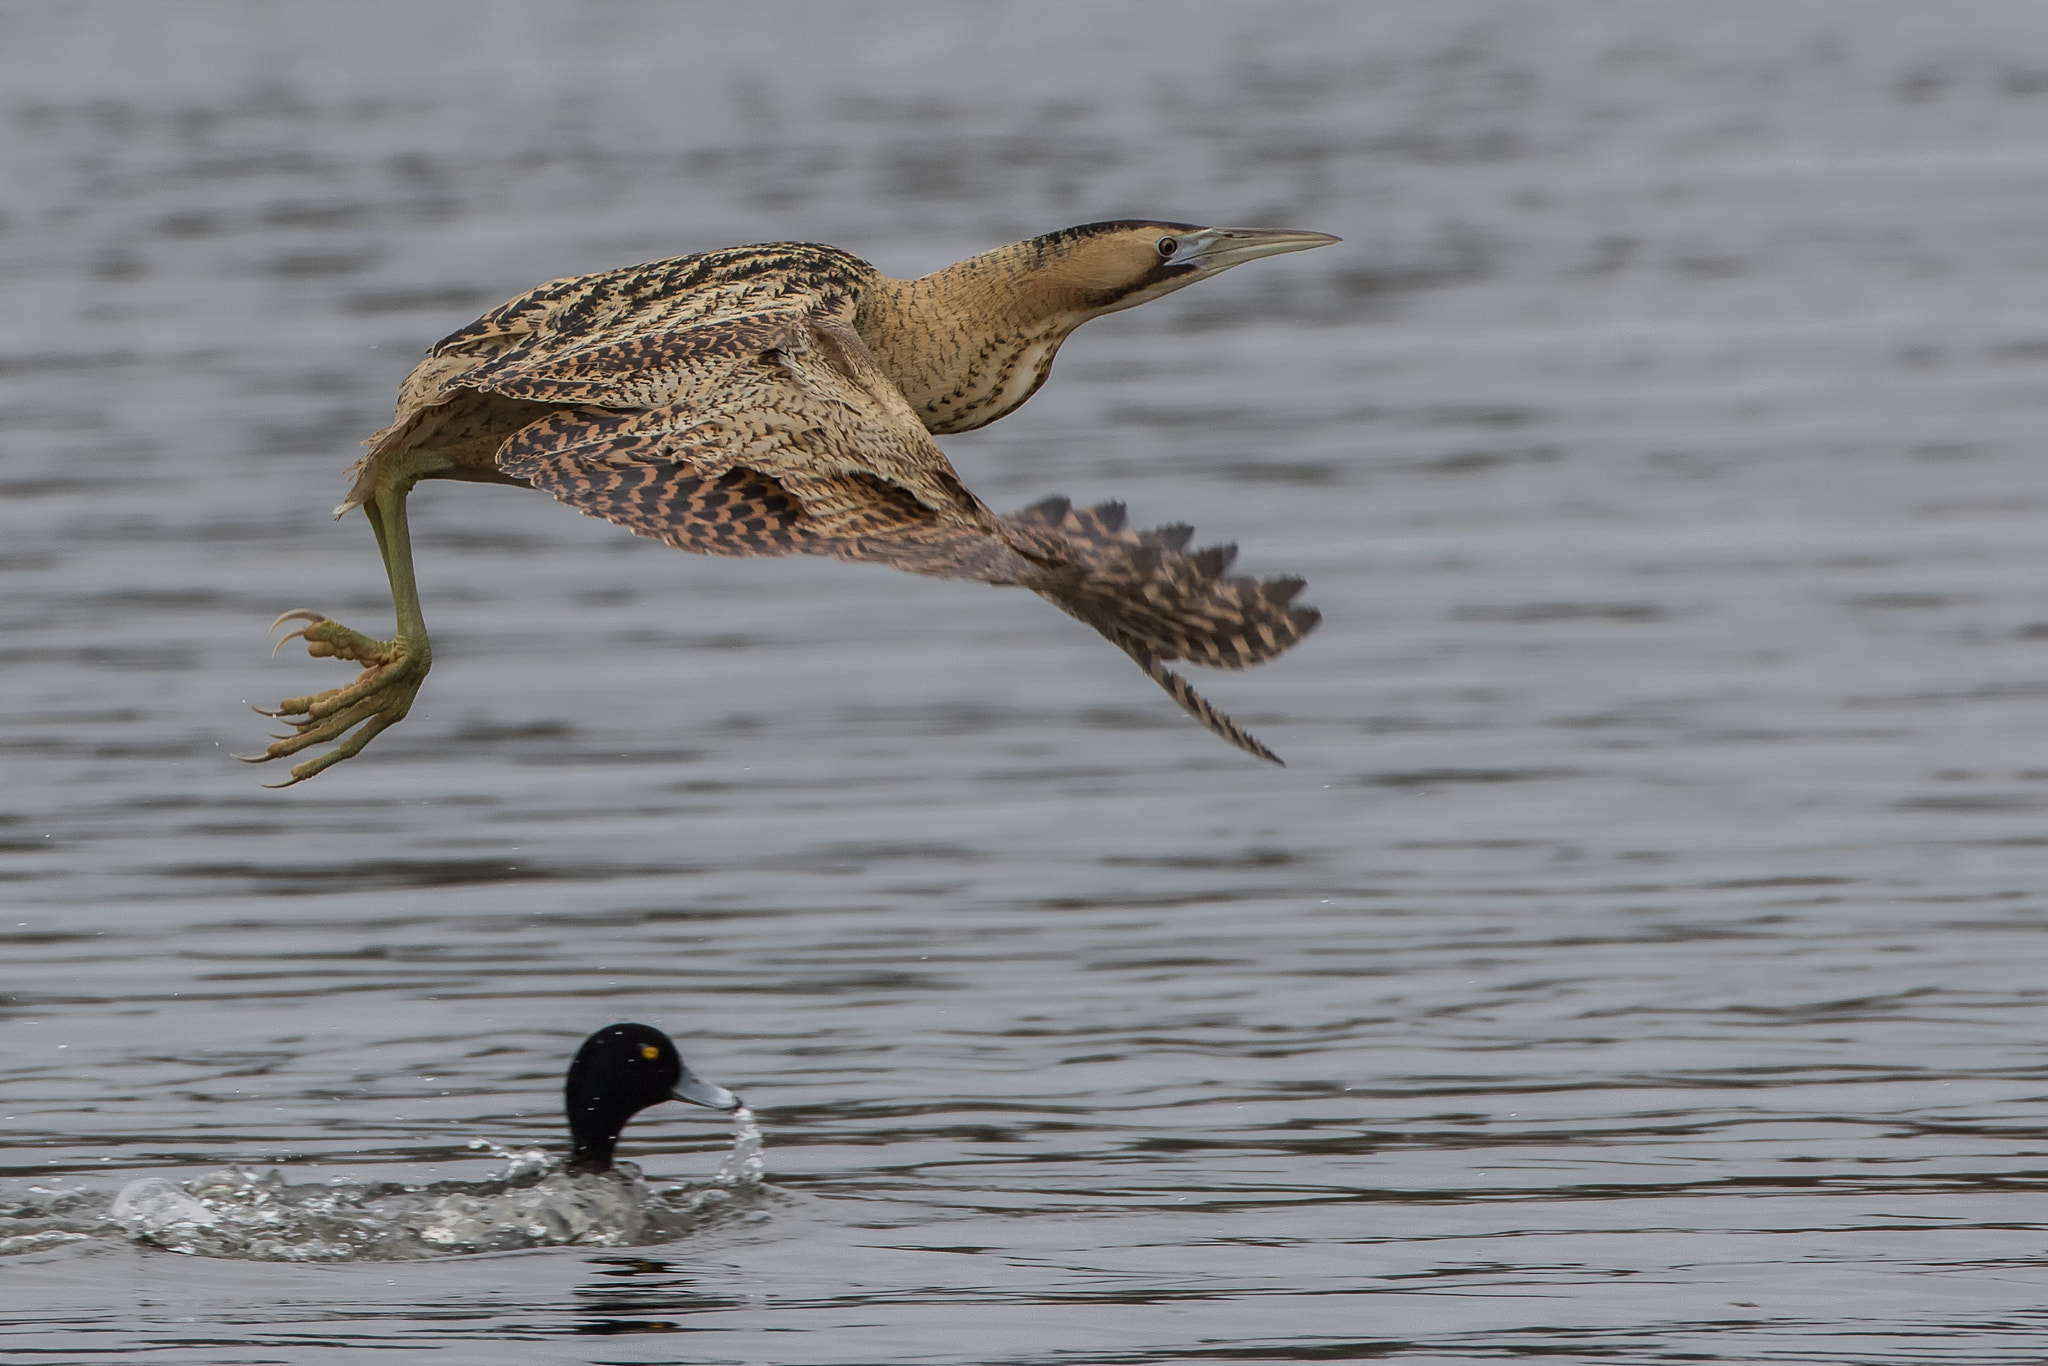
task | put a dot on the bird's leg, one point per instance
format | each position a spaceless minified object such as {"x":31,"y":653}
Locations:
{"x":394,"y":669}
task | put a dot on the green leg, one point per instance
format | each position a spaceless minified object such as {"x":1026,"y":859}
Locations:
{"x":382,"y":694}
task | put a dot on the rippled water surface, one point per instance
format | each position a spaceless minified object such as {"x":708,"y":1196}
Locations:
{"x":1641,"y":958}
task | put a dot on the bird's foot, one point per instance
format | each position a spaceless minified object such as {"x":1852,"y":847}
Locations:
{"x":378,"y":699}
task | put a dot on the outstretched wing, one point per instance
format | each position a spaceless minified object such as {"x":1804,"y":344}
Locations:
{"x":804,"y":447}
{"x":1145,"y":588}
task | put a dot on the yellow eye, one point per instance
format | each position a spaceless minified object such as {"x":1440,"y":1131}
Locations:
{"x":649,"y":1052}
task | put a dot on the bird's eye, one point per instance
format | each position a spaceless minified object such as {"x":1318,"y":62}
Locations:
{"x":1168,"y":246}
{"x":649,"y":1052}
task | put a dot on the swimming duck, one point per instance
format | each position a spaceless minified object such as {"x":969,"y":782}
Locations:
{"x":780,"y":400}
{"x":618,"y":1072}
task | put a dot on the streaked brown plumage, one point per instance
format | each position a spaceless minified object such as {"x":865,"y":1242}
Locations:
{"x":782,"y":399}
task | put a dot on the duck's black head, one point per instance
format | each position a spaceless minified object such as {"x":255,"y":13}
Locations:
{"x":620,"y":1071}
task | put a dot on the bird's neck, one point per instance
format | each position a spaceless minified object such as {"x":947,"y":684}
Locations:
{"x":970,"y":343}
{"x":591,"y":1154}
{"x":594,"y":1125}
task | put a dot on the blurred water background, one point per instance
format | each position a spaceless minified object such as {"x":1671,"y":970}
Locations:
{"x":1640,"y":960}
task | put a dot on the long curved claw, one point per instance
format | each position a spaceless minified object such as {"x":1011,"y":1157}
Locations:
{"x":305,"y":614}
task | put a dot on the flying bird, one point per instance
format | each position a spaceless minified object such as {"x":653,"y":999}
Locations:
{"x":781,"y":400}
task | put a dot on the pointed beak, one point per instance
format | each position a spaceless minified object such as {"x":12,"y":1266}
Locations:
{"x":697,"y":1091}
{"x":1223,"y":248}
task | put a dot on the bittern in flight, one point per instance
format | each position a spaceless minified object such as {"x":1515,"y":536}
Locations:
{"x":782,"y":400}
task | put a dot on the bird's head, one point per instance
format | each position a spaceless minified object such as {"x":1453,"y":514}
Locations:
{"x":1114,"y":266}
{"x":972,"y":342}
{"x":619,"y":1072}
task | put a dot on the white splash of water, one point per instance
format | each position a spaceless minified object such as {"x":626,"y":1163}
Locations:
{"x":521,"y":1164}
{"x":744,"y":1165}
{"x":557,"y":1211}
{"x":152,"y":1204}
{"x":529,"y":1202}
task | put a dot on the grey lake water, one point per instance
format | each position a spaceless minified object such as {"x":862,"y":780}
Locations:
{"x":1641,"y":958}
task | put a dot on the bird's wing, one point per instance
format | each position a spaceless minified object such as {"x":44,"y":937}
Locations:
{"x":1157,"y":602}
{"x":769,"y":434}
{"x":1144,"y":588}
{"x":616,"y":328}
{"x":803,"y":446}
{"x":640,"y":336}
